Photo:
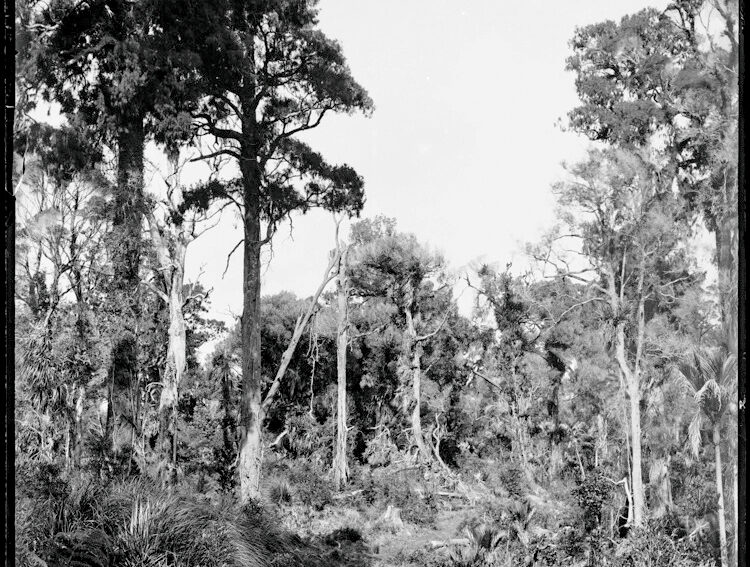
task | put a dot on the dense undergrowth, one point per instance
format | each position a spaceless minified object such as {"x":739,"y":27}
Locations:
{"x":84,"y":520}
{"x":583,"y":414}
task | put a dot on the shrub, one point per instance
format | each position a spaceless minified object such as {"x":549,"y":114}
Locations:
{"x":383,"y":490}
{"x":310,"y":439}
{"x":280,"y":493}
{"x":135,"y":522}
{"x":591,"y":493}
{"x":512,"y":480}
{"x":645,"y":547}
{"x":309,"y":489}
{"x":343,"y":534}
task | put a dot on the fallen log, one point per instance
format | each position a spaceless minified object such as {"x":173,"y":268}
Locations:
{"x":453,"y":495}
{"x":435,"y":544}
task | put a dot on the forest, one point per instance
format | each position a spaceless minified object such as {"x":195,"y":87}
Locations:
{"x":585,"y":413}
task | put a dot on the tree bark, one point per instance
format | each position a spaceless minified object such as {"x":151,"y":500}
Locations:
{"x":637,"y":463}
{"x":176,"y":363}
{"x":720,"y":495}
{"x":128,"y":213}
{"x":632,"y":381}
{"x":78,"y":427}
{"x":251,"y":448}
{"x":340,"y":468}
{"x":227,"y":426}
{"x":126,"y":250}
{"x":414,"y":354}
{"x":631,"y":378}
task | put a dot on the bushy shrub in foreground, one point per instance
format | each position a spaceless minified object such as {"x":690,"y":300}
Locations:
{"x":647,"y":547}
{"x":136,"y":523}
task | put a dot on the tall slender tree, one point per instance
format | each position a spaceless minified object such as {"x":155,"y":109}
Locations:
{"x":710,"y":375}
{"x":626,"y":217}
{"x":269,"y":75}
{"x":340,"y":466}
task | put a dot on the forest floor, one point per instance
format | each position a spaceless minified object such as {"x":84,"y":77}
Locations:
{"x":412,"y":540}
{"x":383,"y":544}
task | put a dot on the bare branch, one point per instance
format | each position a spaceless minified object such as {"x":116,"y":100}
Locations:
{"x":299,"y":327}
{"x":436,"y":331}
{"x":229,"y":256}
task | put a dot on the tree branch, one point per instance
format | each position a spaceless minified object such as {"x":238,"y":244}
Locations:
{"x":436,"y":331}
{"x":299,"y":327}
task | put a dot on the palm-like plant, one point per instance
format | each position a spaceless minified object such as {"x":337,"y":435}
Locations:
{"x":711,"y":376}
{"x":483,"y":542}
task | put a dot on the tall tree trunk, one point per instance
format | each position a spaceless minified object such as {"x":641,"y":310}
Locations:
{"x":632,"y":381}
{"x":720,"y":494}
{"x":128,"y":213}
{"x":631,"y":378}
{"x":340,"y":468}
{"x":639,"y":504}
{"x":227,"y":430}
{"x":176,"y":362}
{"x":126,"y":249}
{"x":251,"y":448}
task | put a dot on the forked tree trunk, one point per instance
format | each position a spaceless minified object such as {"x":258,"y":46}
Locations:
{"x":340,"y":468}
{"x":631,"y":376}
{"x":720,"y":495}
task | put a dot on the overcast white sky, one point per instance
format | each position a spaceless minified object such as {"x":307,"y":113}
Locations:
{"x":463,"y":145}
